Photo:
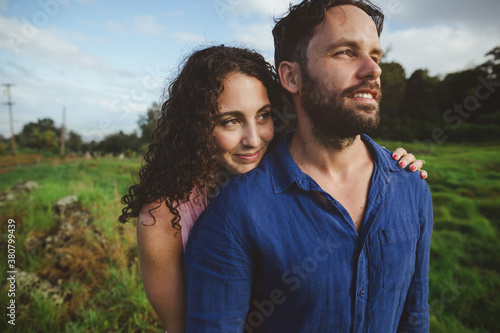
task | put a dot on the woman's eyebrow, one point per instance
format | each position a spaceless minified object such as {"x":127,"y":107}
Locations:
{"x":229,"y":114}
{"x":237,"y":113}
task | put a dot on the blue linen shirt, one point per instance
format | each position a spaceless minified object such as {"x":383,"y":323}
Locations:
{"x":274,"y":253}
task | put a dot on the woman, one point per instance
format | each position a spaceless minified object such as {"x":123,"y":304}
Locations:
{"x":216,"y":123}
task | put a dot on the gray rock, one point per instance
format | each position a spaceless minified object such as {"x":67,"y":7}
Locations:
{"x":24,"y":185}
{"x":21,"y":187}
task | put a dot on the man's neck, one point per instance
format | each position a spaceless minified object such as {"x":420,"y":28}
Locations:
{"x":344,"y":173}
{"x":335,"y":161}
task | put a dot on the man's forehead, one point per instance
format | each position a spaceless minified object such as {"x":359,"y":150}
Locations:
{"x":340,"y":16}
{"x":346,"y":20}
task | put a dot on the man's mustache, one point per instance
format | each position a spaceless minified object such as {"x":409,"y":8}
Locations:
{"x":364,"y":86}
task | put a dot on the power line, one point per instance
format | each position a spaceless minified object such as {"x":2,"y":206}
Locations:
{"x":10,"y":103}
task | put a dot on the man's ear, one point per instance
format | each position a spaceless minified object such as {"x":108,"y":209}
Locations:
{"x":290,"y":77}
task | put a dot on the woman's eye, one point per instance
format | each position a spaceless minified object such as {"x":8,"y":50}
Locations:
{"x":264,"y":115}
{"x":230,"y":122}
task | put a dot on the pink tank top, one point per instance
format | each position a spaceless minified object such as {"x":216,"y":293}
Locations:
{"x":189,"y":212}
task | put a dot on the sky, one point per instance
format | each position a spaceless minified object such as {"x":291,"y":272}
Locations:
{"x":105,"y":62}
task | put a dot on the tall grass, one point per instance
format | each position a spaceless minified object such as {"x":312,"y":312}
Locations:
{"x":465,"y":265}
{"x":99,"y":271}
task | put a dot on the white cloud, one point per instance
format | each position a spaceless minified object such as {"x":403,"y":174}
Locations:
{"x":187,"y":37}
{"x":19,"y":69}
{"x":440,"y":49}
{"x":115,"y":27}
{"x":50,"y":51}
{"x":50,"y":72}
{"x":87,"y":38}
{"x":478,"y":15}
{"x":147,"y":25}
{"x":45,"y":45}
{"x":256,"y":36}
{"x":230,"y":9}
{"x":84,"y":2}
{"x":268,"y":8}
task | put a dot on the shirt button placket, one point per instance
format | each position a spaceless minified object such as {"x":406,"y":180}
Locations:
{"x":361,"y":292}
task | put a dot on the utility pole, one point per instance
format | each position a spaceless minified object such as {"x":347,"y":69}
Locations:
{"x":10,"y":103}
{"x":63,"y":127}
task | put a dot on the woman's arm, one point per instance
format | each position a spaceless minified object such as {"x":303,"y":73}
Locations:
{"x":406,"y":159}
{"x":161,"y":259}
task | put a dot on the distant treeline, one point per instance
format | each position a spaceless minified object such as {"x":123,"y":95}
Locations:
{"x":44,"y":136}
{"x":459,"y":107}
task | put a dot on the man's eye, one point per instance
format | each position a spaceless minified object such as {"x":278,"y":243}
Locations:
{"x":343,"y":52}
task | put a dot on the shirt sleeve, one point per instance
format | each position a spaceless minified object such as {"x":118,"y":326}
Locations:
{"x":218,"y":275}
{"x":415,"y":316}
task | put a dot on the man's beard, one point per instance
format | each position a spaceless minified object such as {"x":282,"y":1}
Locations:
{"x":335,"y":124}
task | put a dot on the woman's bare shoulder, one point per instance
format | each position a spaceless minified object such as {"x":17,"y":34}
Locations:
{"x":155,"y":221}
{"x":154,"y":212}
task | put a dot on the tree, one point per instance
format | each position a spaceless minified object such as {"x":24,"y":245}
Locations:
{"x":147,"y":123}
{"x":471,"y":101}
{"x":491,"y":70}
{"x":420,"y":108}
{"x":393,"y":86}
{"x":40,"y":135}
{"x":4,"y":144}
{"x":74,"y":142}
{"x":492,"y":66}
{"x":393,"y":82}
{"x":46,"y":140}
{"x":119,"y":143}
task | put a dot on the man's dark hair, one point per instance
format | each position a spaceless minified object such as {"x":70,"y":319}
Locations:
{"x":293,"y":32}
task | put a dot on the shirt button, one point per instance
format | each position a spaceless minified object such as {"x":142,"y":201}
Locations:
{"x":362,"y":293}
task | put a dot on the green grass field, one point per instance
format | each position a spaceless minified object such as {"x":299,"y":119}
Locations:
{"x":465,"y":266}
{"x":96,"y":272}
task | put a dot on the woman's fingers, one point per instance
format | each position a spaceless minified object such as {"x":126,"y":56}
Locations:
{"x":408,"y":159}
{"x":398,"y":153}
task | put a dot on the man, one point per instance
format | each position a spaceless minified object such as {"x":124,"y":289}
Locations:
{"x":326,"y":235}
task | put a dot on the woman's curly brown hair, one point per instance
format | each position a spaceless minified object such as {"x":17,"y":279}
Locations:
{"x":182,"y":151}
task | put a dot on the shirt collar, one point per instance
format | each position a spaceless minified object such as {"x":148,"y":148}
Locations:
{"x":285,"y":172}
{"x":381,"y":155}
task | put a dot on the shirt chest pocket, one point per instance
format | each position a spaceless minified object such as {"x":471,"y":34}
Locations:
{"x":398,"y":255}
